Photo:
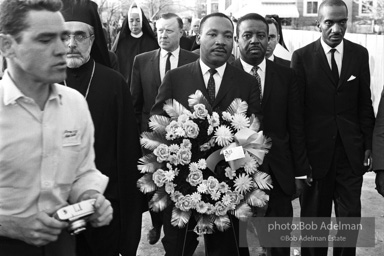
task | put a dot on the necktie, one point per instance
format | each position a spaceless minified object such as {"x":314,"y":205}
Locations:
{"x":258,"y":79}
{"x":168,"y":63}
{"x":211,"y":86}
{"x":335,"y":71}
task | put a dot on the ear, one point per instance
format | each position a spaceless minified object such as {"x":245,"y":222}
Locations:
{"x":236,"y":39}
{"x":318,"y":25}
{"x":198,"y":39}
{"x":6,"y":45}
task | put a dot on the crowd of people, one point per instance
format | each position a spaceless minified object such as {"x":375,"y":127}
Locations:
{"x":71,"y":114}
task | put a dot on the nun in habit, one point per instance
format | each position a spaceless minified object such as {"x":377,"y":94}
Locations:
{"x":136,"y":36}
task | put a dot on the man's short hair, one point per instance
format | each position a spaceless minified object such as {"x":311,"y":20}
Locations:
{"x":330,"y":3}
{"x":171,"y":15}
{"x":215,"y":14}
{"x":13,"y":14}
{"x":274,"y":22}
{"x":250,"y":16}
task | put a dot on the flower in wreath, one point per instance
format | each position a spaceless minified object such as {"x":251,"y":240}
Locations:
{"x":183,"y":167}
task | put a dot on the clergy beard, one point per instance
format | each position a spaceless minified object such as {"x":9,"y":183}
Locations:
{"x":78,"y":61}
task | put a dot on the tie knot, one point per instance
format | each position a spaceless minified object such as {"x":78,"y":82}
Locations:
{"x":212,"y":71}
{"x":254,"y":69}
{"x":333,"y":50}
{"x":169,"y":54}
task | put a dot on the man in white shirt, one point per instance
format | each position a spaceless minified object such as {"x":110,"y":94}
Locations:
{"x":46,"y":135}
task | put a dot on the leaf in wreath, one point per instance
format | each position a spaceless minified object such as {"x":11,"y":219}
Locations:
{"x":146,"y":184}
{"x":222,"y":222}
{"x":174,"y":109}
{"x":158,"y":123}
{"x":258,"y":198}
{"x":238,"y":107}
{"x":198,"y":98}
{"x":255,"y":123}
{"x":151,"y":140}
{"x":262,"y":180}
{"x":242,"y":211}
{"x":148,"y":163}
{"x":180,"y":218}
{"x":159,"y":201}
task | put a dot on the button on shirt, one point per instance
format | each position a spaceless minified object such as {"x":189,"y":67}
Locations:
{"x":338,"y":54}
{"x":218,"y":76}
{"x":46,"y":157}
{"x":174,"y":59}
{"x":261,"y":71}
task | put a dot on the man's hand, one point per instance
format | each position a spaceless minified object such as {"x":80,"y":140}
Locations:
{"x":380,"y":182}
{"x":38,"y":229}
{"x":300,"y":185}
{"x":368,"y":159}
{"x":103,"y":209}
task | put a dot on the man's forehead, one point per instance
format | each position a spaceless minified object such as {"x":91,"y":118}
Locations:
{"x":44,"y":22}
{"x":77,"y":26}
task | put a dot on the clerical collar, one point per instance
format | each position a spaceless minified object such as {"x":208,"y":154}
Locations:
{"x":138,"y":35}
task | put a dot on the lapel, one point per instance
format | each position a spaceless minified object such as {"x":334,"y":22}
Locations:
{"x":225,"y":85}
{"x":182,"y":59}
{"x":154,"y":68}
{"x":268,"y":83}
{"x":319,"y":51}
{"x":348,"y":59}
{"x":198,"y":79}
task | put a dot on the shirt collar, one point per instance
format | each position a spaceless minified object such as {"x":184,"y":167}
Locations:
{"x":220,"y":70}
{"x":247,"y":67}
{"x":327,"y":48}
{"x":175,"y":53}
{"x":12,"y":93}
{"x":272,"y":57}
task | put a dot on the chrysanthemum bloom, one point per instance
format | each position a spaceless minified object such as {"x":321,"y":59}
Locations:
{"x":226,"y":199}
{"x":240,"y":121}
{"x":243,"y":183}
{"x":202,"y":188}
{"x":223,"y":136}
{"x":193,"y":167}
{"x":215,"y":195}
{"x":169,"y":175}
{"x":196,"y":197}
{"x":173,"y":148}
{"x":202,"y":164}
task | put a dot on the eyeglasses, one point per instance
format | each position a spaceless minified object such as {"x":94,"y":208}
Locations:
{"x":79,"y":38}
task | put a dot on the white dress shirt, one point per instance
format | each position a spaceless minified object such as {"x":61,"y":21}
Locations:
{"x":261,"y":72}
{"x":218,"y":76}
{"x":174,"y":59}
{"x":46,"y":157}
{"x":338,"y":54}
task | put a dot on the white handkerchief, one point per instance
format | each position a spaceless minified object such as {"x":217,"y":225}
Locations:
{"x":351,"y":78}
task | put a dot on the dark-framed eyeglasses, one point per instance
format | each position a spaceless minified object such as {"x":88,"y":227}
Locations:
{"x":79,"y":38}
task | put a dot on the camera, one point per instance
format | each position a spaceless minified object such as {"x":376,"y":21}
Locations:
{"x":76,"y":215}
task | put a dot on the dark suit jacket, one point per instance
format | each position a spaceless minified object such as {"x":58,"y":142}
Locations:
{"x":283,"y":62}
{"x":378,"y":138}
{"x":283,"y":123}
{"x":181,"y":82}
{"x":145,"y":82}
{"x":186,"y":43}
{"x":331,"y":109}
